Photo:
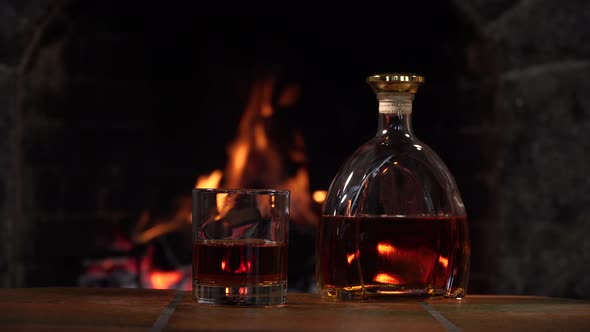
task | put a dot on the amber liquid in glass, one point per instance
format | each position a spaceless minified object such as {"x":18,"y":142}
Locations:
{"x":370,"y":257}
{"x":243,"y":262}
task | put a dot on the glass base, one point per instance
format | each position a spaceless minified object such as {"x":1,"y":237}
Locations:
{"x":381,"y":292}
{"x":250,"y":295}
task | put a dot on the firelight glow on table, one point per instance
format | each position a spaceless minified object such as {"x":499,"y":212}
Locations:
{"x":84,"y":309}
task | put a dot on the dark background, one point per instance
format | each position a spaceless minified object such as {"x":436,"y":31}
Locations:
{"x":110,"y":108}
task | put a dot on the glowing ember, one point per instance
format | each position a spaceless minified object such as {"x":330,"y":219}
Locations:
{"x":165,"y":279}
{"x":386,"y":278}
{"x":385,"y":249}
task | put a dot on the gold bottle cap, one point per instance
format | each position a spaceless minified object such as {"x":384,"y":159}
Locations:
{"x":395,"y":82}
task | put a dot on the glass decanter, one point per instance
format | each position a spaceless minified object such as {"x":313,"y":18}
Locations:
{"x":393,"y":223}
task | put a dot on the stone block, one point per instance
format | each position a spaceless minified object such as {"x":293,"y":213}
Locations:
{"x":544,"y":31}
{"x":545,"y":188}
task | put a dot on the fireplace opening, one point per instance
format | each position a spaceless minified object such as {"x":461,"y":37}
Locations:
{"x":125,"y":107}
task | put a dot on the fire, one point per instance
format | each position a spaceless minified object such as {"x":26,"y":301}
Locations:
{"x":385,"y":249}
{"x":163,"y":226}
{"x":252,"y":146}
{"x":209,"y":181}
{"x":443,"y":261}
{"x":165,"y":279}
{"x":243,"y":268}
{"x":386,"y":278}
{"x":212,"y":181}
{"x":256,"y":160}
{"x":300,"y":197}
{"x":158,"y":279}
{"x":236,"y":165}
{"x":260,"y":138}
{"x":350,"y":257}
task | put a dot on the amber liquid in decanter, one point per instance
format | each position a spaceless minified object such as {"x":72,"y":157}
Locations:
{"x":393,"y":223}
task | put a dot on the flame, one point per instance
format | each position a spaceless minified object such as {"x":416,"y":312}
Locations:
{"x":222,"y":207}
{"x":165,"y":279}
{"x":350,"y":257}
{"x":266,"y":111}
{"x":319,"y":196}
{"x":300,"y":197}
{"x":255,"y":160}
{"x":260,"y":140}
{"x":297,"y":154}
{"x":386,"y":249}
{"x":252,"y":146}
{"x":182,"y":216}
{"x":235,"y":167}
{"x":212,"y":181}
{"x":443,"y":261}
{"x":223,"y":265}
{"x":209,"y":181}
{"x":243,"y":268}
{"x":386,"y":278}
{"x":265,"y":94}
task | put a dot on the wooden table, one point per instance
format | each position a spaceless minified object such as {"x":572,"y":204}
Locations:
{"x":77,"y":309}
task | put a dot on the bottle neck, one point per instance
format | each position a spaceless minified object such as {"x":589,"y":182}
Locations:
{"x":395,"y":113}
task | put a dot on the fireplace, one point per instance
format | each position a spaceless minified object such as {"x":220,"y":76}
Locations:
{"x":124,"y":107}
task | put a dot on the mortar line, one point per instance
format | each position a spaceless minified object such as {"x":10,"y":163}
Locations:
{"x":450,"y":327}
{"x":166,"y":313}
